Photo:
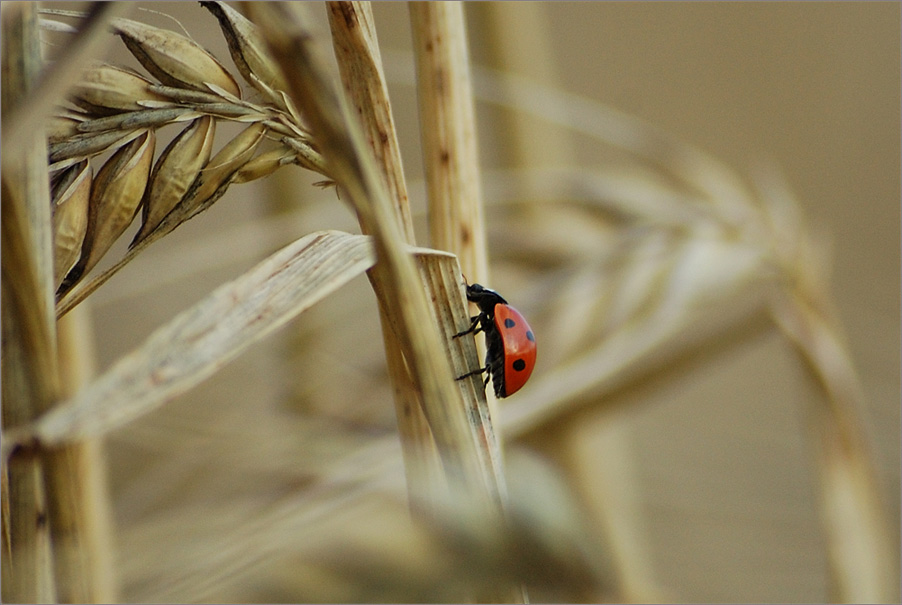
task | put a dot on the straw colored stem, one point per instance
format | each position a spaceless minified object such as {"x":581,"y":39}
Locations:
{"x":448,"y":134}
{"x":76,"y":363}
{"x":402,"y":295}
{"x":360,"y":64}
{"x":357,"y":51}
{"x":451,"y":158}
{"x":48,"y":490}
{"x":450,"y":150}
{"x":29,"y":369}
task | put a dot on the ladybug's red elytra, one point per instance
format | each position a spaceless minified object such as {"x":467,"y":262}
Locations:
{"x":510,"y":342}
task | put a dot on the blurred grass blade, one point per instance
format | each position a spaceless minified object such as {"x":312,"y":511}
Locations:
{"x":204,"y":338}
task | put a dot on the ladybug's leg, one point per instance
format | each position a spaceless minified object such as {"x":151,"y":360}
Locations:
{"x":474,"y":373}
{"x":473,"y":329}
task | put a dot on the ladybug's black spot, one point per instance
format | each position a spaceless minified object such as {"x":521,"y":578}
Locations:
{"x":519,"y":365}
{"x":529,"y":336}
{"x":509,"y":323}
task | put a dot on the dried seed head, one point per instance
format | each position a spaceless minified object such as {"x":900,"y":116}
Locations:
{"x":248,"y":49}
{"x":175,"y":172}
{"x":106,"y":89}
{"x":118,"y":189}
{"x":222,"y":168}
{"x":174,"y":59}
{"x":264,"y":165}
{"x":70,"y":192}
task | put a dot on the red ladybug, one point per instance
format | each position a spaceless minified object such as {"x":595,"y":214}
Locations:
{"x":510,"y":343}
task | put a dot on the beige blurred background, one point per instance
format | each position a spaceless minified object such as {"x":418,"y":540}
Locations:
{"x":719,"y":469}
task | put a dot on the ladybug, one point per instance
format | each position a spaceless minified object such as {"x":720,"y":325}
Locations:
{"x":510,"y":343}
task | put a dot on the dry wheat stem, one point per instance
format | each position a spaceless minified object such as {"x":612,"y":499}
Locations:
{"x":30,"y":378}
{"x":357,"y":52}
{"x":360,"y":65}
{"x":48,"y":491}
{"x":448,"y":134}
{"x":447,"y":127}
{"x":344,"y":150}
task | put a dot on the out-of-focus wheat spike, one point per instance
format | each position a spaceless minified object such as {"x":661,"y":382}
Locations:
{"x":70,"y":195}
{"x":105,"y":89}
{"x":248,"y":50}
{"x":175,"y":172}
{"x":117,"y":192}
{"x":172,"y":58}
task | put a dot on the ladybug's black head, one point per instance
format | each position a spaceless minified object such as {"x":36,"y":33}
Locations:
{"x":484,"y":298}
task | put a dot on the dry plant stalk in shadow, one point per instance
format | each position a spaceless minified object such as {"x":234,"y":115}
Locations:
{"x":660,"y":256}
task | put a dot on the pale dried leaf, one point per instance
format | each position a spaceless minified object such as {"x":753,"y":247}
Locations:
{"x":207,"y":336}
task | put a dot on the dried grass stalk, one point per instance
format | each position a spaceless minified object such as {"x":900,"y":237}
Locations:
{"x":403,"y":299}
{"x":48,"y":507}
{"x":863,"y":562}
{"x":448,"y":134}
{"x":30,"y":380}
{"x":360,"y":66}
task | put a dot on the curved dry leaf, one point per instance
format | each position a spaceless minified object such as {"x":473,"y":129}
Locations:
{"x":203,"y":339}
{"x":172,"y":58}
{"x":176,"y":171}
{"x":70,"y":194}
